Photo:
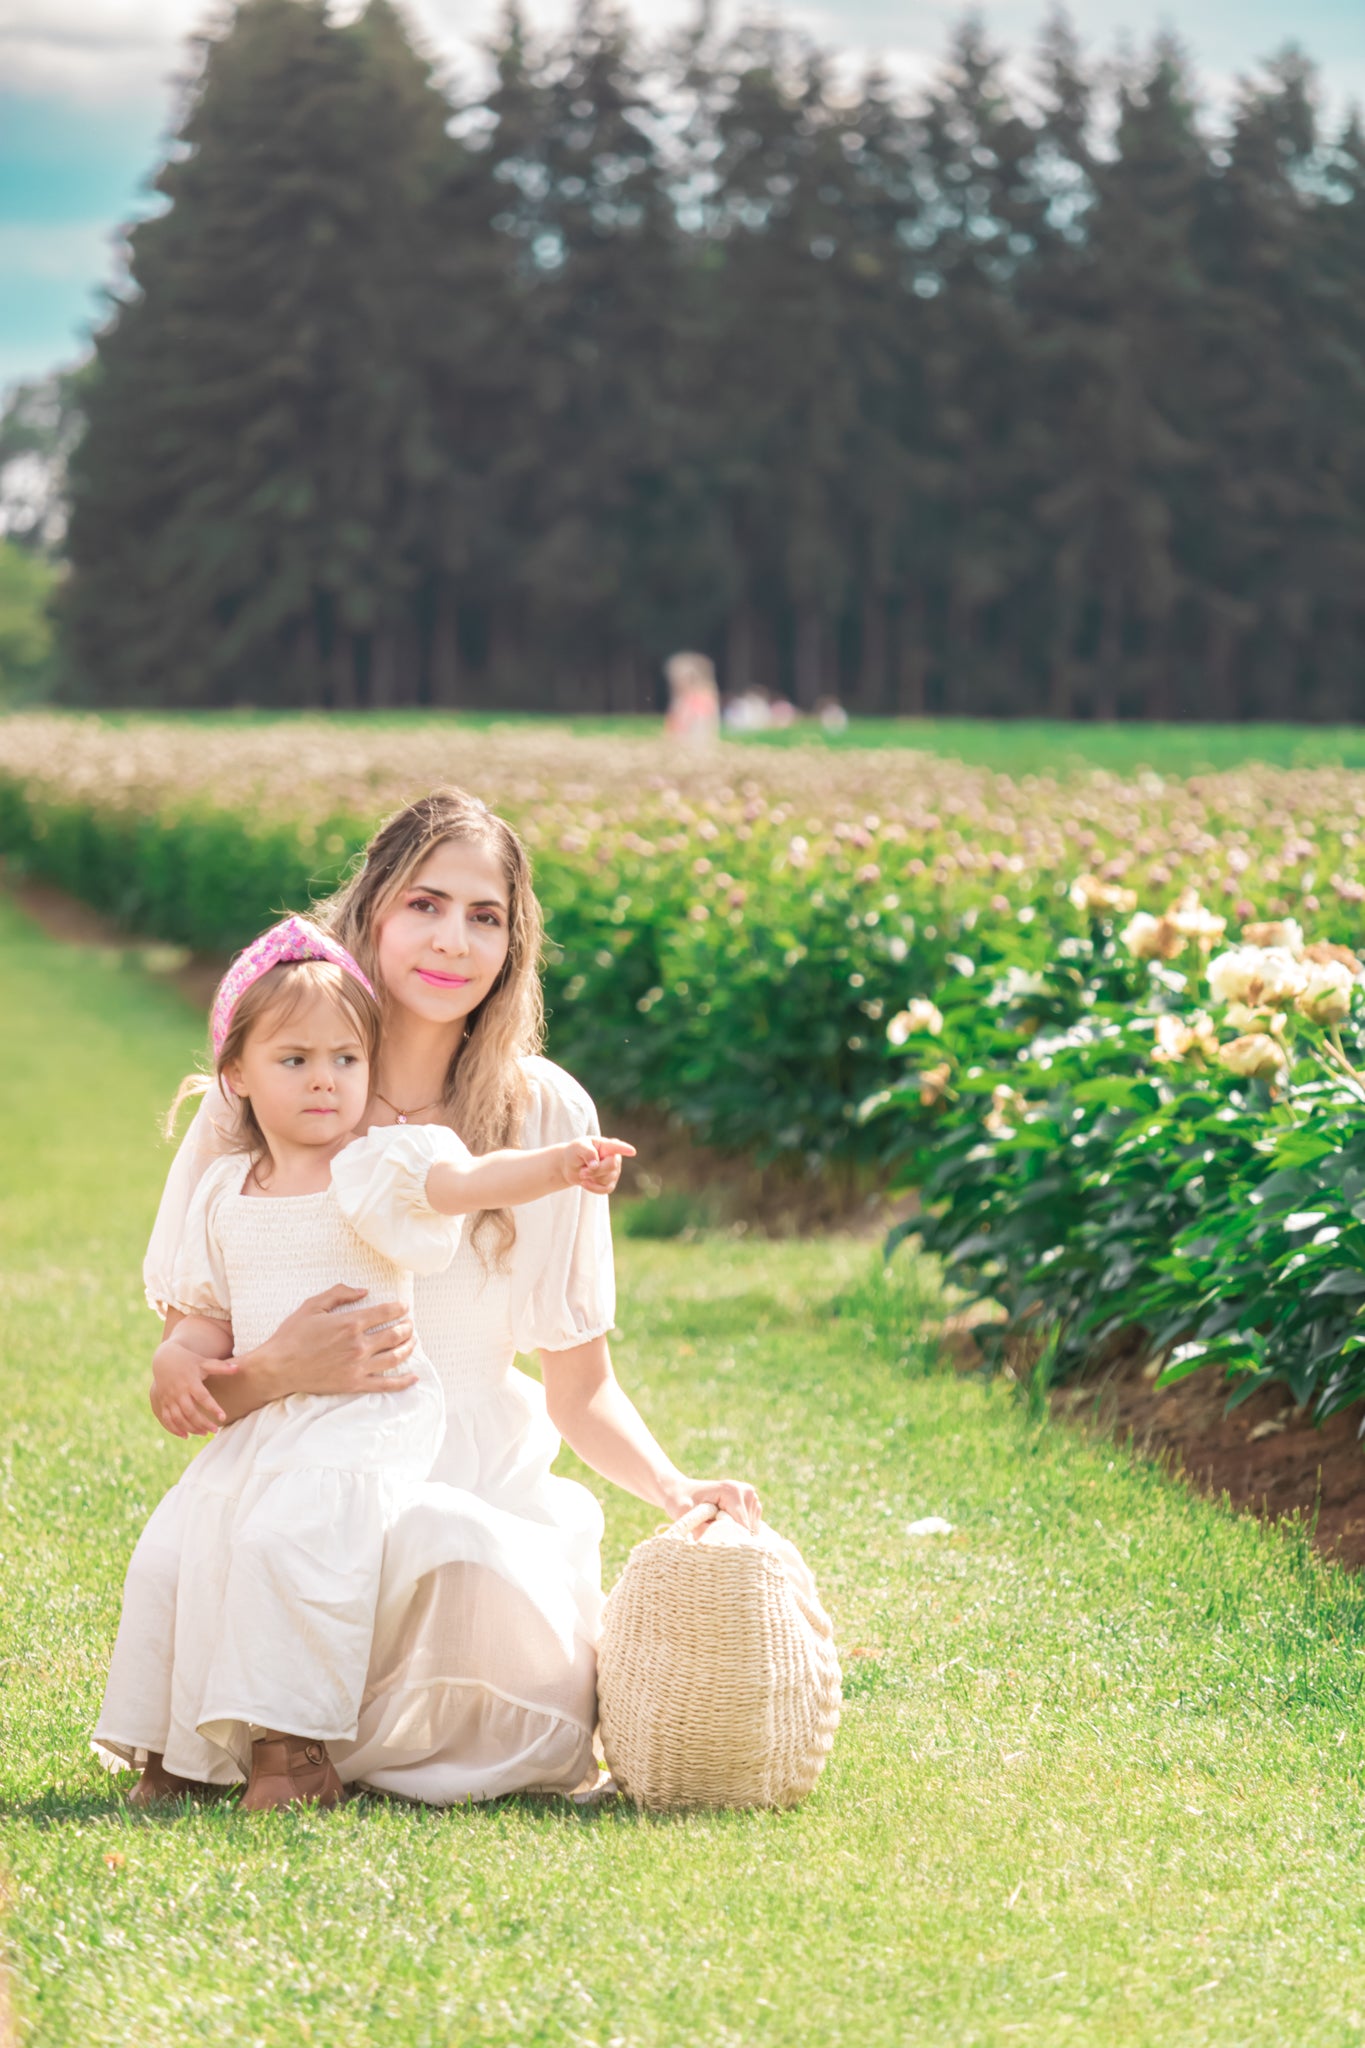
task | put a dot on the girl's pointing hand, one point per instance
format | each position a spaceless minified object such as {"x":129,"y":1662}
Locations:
{"x":597,"y":1163}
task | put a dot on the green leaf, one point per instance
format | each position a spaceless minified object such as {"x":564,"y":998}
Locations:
{"x":1342,"y":1281}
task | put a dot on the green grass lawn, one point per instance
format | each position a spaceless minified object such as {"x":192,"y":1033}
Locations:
{"x":1102,"y":1771}
{"x":1023,"y":746}
{"x":1039,"y":746}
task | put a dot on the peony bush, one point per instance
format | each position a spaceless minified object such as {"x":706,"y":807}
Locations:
{"x":1163,"y":1144}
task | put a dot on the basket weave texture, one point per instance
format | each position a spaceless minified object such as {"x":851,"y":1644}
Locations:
{"x":717,"y":1678}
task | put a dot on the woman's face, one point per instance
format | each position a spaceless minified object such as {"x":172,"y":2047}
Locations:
{"x":442,"y":945}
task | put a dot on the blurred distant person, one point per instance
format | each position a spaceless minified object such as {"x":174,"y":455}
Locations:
{"x":830,"y":713}
{"x":781,"y":711}
{"x":746,"y":712}
{"x":693,"y":714}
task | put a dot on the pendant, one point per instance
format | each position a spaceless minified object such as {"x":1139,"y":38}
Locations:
{"x":401,"y":1118}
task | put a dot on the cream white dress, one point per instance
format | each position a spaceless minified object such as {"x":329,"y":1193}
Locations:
{"x":482,"y":1672}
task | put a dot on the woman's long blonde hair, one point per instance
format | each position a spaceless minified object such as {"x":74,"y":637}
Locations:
{"x":486,"y":1092}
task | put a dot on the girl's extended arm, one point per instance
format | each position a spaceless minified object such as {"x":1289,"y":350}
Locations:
{"x":596,"y":1417}
{"x":501,"y":1180}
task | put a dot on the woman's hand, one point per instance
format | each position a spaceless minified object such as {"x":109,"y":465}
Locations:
{"x":595,"y":1163}
{"x":316,"y":1350}
{"x":324,"y":1349}
{"x":732,"y":1496}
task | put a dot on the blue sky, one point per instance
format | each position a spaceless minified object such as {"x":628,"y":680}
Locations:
{"x":87,"y":93}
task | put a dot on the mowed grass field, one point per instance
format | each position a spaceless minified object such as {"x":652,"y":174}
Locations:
{"x":1102,"y":1772}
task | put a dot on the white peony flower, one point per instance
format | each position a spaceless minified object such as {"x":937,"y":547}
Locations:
{"x":1152,"y":938}
{"x":1007,"y":1105}
{"x":918,"y":1017}
{"x":933,"y":1084}
{"x":1257,"y":1056}
{"x":1326,"y":997}
{"x":1260,"y":976}
{"x":1182,"y":1038}
{"x":1285,"y":934}
{"x":1244,"y":1017}
{"x":1017,"y":982}
{"x":1092,"y":892}
{"x":1188,"y":916}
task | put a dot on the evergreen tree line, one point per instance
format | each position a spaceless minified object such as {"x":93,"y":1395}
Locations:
{"x":986,"y":402}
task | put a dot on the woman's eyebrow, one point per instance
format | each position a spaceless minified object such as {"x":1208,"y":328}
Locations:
{"x":447,"y":896}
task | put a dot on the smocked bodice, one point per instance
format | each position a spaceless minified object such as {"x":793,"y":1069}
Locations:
{"x":279,"y":1250}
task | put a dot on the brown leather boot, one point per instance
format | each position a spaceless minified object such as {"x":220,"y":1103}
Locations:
{"x":290,"y":1770}
{"x":157,"y":1785}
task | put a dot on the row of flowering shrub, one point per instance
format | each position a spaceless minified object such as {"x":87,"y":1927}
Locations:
{"x":1163,"y":1140}
{"x":1119,"y":1118}
{"x":728,"y":951}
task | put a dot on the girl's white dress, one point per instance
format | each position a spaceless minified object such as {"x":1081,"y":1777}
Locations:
{"x":482,"y":1671}
{"x":251,"y":1597}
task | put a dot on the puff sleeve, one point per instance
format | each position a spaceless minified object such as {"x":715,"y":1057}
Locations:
{"x":198,"y":1281}
{"x":380,"y":1183}
{"x":564,"y":1281}
{"x":204,"y":1142}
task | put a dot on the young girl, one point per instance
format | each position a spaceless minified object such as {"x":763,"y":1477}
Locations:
{"x":250,"y":1602}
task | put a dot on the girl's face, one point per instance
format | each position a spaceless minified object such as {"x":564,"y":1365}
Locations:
{"x":304,"y":1072}
{"x":442,"y":945}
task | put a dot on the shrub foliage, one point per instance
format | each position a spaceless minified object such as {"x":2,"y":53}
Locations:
{"x":1119,"y":1119}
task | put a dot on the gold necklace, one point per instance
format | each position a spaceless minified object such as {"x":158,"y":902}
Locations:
{"x":403,"y":1115}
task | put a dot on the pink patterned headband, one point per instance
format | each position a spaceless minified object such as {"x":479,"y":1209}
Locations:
{"x":295,"y":938}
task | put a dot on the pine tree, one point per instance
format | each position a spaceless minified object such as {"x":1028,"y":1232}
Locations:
{"x":985,"y":215}
{"x":248,"y":489}
{"x":601,"y":232}
{"x":790,"y":279}
{"x":1271,"y":507}
{"x":1117,"y":321}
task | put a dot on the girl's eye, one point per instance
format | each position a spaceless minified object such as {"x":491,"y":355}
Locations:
{"x":348,"y":1059}
{"x":292,"y":1059}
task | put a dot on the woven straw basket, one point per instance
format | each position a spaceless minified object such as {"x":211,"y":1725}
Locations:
{"x":717,"y":1678}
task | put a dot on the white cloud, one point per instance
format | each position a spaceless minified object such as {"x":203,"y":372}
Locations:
{"x":95,"y":51}
{"x":112,"y":51}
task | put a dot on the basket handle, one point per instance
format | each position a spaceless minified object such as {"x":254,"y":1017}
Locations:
{"x":693,"y":1522}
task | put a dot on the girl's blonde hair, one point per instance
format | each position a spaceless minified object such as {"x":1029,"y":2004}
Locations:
{"x":485,"y":1095}
{"x":273,"y":999}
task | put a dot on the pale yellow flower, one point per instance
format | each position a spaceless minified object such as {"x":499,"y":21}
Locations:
{"x":1285,"y":934}
{"x":1256,"y":1056}
{"x":1260,"y":976}
{"x":919,"y":1016}
{"x":1326,"y":998}
{"x":1092,"y":892}
{"x":933,"y":1084}
{"x":1007,"y":1106}
{"x":1152,"y":938}
{"x":1188,"y":916}
{"x":1183,"y":1038}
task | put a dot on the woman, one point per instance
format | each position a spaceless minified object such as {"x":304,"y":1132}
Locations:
{"x":483,"y":1677}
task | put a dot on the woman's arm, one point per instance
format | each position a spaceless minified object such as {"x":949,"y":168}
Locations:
{"x":314,"y":1351}
{"x":502,"y":1180}
{"x":596,"y":1417}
